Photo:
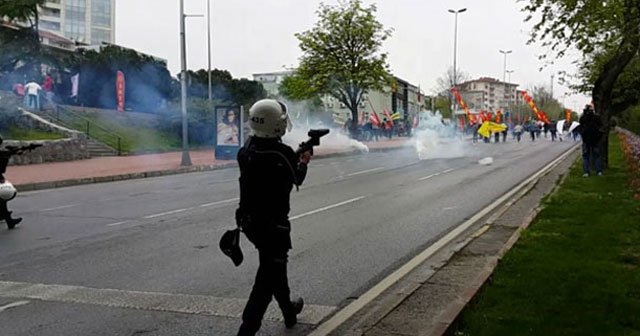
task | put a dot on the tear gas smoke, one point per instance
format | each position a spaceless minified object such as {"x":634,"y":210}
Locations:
{"x":434,"y":139}
{"x":304,"y":119}
{"x":335,"y":141}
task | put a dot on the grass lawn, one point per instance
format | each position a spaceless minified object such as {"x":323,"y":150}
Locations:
{"x":25,"y":134}
{"x":136,"y":135}
{"x":575,"y":271}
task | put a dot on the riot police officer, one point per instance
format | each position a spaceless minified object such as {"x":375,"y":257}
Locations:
{"x":268,"y":171}
{"x":7,"y":191}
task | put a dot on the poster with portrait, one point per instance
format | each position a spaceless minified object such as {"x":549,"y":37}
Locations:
{"x":228,"y":131}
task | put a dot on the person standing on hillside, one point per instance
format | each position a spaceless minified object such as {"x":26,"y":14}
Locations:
{"x":591,"y":133}
{"x":33,"y":95}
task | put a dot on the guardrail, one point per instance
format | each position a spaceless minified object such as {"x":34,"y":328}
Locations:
{"x":73,"y":120}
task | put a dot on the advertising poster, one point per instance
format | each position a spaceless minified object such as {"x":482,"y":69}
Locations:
{"x":229,"y":137}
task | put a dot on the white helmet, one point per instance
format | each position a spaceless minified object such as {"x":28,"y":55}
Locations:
{"x":7,"y":191}
{"x":268,"y":118}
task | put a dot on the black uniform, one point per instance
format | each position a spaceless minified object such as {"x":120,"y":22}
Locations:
{"x":268,"y":171}
{"x":5,"y":214}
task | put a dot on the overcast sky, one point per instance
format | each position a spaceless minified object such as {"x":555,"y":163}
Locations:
{"x":253,"y":36}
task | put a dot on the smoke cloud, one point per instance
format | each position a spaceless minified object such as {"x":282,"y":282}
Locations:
{"x":434,"y":139}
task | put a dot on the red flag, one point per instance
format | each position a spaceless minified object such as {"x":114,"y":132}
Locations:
{"x":374,"y":119}
{"x":461,"y":123}
{"x":386,"y":114}
{"x":416,"y":120}
{"x":120,"y":91}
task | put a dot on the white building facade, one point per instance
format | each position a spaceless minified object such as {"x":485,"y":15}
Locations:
{"x":85,"y":21}
{"x":489,"y":94}
{"x":403,"y":98}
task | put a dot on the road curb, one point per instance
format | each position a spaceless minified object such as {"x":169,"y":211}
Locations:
{"x":158,"y":173}
{"x":446,"y":314}
{"x":452,"y":312}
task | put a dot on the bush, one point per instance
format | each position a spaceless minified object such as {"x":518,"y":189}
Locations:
{"x":630,"y":119}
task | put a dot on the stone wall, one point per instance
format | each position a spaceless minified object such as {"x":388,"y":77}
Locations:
{"x":51,"y":151}
{"x":74,"y":147}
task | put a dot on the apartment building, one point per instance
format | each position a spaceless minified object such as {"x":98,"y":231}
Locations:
{"x":489,"y":94}
{"x":85,"y":21}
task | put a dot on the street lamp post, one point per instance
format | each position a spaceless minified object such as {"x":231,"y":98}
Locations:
{"x":509,"y":72}
{"x":209,"y":45}
{"x":504,"y":70}
{"x":455,"y":50}
{"x":186,"y":158}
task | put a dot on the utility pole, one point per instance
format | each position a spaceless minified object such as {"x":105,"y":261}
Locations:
{"x":186,"y":158}
{"x":504,"y":71}
{"x":455,"y":51}
{"x":209,"y":46}
{"x":552,"y":76}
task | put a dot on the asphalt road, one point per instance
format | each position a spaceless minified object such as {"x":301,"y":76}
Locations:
{"x":141,"y":257}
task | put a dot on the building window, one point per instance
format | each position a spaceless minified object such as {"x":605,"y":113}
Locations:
{"x":49,"y":25}
{"x":54,"y":1}
{"x":101,"y":13}
{"x":75,"y":20}
{"x":53,"y":12}
{"x":100,"y":35}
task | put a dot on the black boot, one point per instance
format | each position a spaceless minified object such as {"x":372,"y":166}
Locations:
{"x":291,"y":319}
{"x":12,"y":222}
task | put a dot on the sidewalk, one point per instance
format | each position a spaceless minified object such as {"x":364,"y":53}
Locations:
{"x":106,"y":169}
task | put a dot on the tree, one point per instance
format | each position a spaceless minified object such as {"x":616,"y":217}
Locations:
{"x":445,"y":82}
{"x":607,"y":33}
{"x":341,"y":55}
{"x":224,"y":87}
{"x":21,"y":11}
{"x":148,"y":81}
{"x":547,"y":103}
{"x":20,"y":48}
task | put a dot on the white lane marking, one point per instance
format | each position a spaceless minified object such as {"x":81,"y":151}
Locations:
{"x":364,"y":171}
{"x":152,"y":301}
{"x":219,"y":202}
{"x":166,"y":213}
{"x":13,"y":305}
{"x":118,"y":223}
{"x":172,"y":212}
{"x":351,"y":309}
{"x":436,"y":174}
{"x":428,"y":177}
{"x":60,"y":207}
{"x":326,"y":208}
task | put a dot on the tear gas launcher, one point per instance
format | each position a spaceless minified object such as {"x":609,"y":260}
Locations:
{"x":314,"y":140}
{"x":19,"y":150}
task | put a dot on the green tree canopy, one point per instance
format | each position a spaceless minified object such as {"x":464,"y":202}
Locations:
{"x":148,"y":81}
{"x":606,"y":33}
{"x":341,"y":55}
{"x":224,"y":87}
{"x":20,"y":11}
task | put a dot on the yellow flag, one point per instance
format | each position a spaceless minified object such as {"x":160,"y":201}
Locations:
{"x":489,"y":128}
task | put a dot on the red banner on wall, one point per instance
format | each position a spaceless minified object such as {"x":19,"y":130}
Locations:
{"x":120,"y":91}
